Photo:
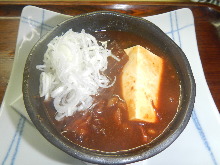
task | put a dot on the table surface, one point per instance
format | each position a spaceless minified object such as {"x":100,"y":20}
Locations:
{"x":207,"y":24}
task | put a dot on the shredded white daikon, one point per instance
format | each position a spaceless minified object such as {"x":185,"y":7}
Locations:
{"x":72,"y":72}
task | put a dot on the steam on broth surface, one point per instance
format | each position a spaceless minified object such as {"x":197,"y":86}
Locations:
{"x":106,"y":126}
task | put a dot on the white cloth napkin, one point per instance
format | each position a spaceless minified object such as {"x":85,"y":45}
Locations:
{"x":21,"y":144}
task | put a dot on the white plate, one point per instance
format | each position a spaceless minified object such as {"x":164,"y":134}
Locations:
{"x":21,"y":143}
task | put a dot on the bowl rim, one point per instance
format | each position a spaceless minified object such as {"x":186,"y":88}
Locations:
{"x":99,"y":158}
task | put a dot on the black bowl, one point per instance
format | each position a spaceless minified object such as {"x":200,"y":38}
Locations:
{"x":105,"y":20}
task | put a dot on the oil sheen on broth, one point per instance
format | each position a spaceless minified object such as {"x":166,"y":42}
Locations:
{"x":106,"y":126}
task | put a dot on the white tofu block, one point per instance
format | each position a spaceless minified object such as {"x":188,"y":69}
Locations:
{"x":141,"y":78}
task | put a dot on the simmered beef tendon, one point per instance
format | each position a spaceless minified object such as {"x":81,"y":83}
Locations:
{"x":106,"y":125}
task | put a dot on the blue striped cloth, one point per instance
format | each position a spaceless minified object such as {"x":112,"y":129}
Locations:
{"x":21,"y":143}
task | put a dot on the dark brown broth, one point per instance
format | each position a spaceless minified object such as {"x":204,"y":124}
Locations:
{"x":107,"y":128}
